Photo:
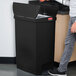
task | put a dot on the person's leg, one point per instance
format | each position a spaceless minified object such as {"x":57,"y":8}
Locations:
{"x":69,"y":44}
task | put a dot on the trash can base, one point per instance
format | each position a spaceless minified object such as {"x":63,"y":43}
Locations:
{"x":26,"y":69}
{"x":36,"y":71}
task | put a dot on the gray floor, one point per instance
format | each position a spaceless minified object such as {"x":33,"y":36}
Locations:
{"x":11,"y":70}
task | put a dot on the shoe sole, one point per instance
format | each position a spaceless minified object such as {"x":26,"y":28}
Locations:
{"x":56,"y":74}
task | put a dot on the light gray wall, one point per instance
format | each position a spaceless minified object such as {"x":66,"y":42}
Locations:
{"x":7,"y":28}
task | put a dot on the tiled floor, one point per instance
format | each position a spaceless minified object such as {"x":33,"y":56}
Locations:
{"x":11,"y":70}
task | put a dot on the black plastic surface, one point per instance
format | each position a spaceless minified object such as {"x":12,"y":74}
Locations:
{"x":26,"y":10}
{"x":47,"y":7}
{"x":34,"y":40}
{"x":62,"y":9}
{"x":34,"y":45}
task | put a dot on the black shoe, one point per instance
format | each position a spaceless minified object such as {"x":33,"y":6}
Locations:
{"x":55,"y":72}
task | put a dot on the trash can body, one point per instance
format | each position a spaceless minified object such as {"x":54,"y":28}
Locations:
{"x":34,"y":43}
{"x":34,"y":39}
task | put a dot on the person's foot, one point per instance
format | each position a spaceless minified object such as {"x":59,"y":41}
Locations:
{"x":55,"y":72}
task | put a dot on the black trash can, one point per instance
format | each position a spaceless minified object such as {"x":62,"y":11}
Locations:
{"x":35,"y":36}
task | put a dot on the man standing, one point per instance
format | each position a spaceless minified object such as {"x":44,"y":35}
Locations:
{"x":69,"y":41}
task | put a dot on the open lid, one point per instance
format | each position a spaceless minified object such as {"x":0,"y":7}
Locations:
{"x":47,"y":7}
{"x":26,"y":10}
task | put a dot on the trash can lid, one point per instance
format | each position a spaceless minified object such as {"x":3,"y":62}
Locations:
{"x":26,"y":10}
